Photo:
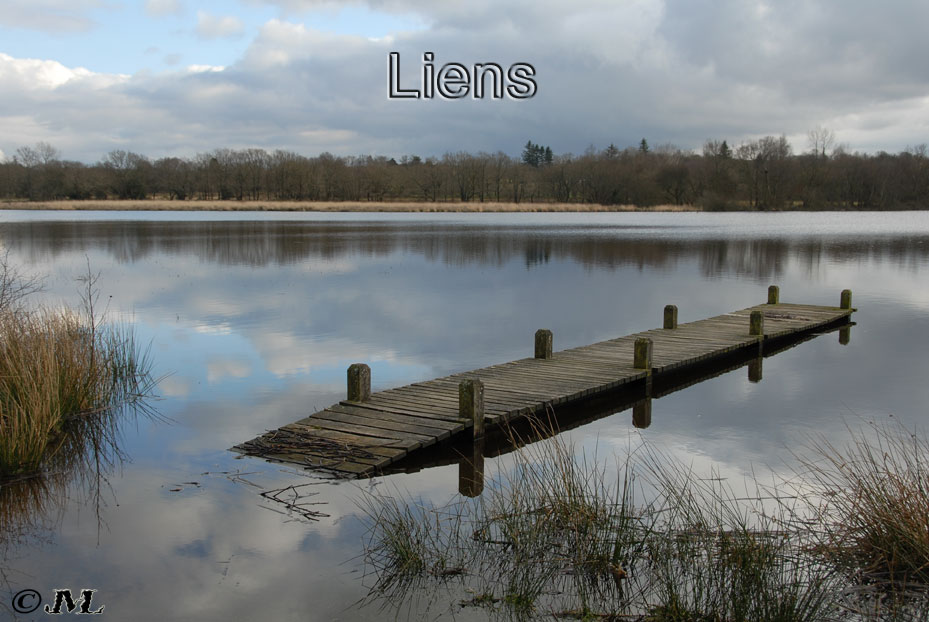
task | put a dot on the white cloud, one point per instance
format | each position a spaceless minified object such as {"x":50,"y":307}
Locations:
{"x":204,"y":68}
{"x":38,"y":74}
{"x":159,"y":8}
{"x":215,"y":27}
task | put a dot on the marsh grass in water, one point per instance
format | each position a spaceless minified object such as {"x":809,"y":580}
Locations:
{"x":557,"y":534}
{"x":61,"y":373}
{"x":871,"y":500}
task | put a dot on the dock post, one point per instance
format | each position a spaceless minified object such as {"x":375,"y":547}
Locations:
{"x":846,"y":300}
{"x":642,"y":413}
{"x":359,"y":382}
{"x":643,"y":353}
{"x":670,"y":316}
{"x":642,"y":359}
{"x":543,"y":343}
{"x":471,"y":404}
{"x":774,"y":295}
{"x":756,"y":324}
{"x":755,"y":367}
{"x":845,"y":335}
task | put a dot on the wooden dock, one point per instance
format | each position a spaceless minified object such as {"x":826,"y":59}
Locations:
{"x":365,"y":433}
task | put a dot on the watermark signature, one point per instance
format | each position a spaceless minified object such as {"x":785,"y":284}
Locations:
{"x":28,"y":600}
{"x":455,"y":80}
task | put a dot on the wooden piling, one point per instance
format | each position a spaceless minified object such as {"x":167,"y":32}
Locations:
{"x":471,"y":404}
{"x":756,"y":323}
{"x":643,"y":353}
{"x":846,"y":299}
{"x":670,"y":316}
{"x":543,"y":343}
{"x":774,"y":295}
{"x":359,"y":382}
{"x":755,"y":367}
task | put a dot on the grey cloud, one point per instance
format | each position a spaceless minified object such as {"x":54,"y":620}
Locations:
{"x":51,"y":16}
{"x":672,"y":71}
{"x":216,"y":27}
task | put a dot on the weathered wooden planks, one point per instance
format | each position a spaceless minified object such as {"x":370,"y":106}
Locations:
{"x":362,"y":434}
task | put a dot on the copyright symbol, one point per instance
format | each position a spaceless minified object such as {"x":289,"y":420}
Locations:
{"x":26,"y":601}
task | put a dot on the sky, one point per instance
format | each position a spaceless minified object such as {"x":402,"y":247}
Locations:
{"x":178,"y":78}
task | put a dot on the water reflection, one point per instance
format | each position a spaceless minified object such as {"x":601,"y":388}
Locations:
{"x":642,"y":413}
{"x":277,"y":243}
{"x":259,"y":320}
{"x":471,"y":469}
{"x":86,"y":452}
{"x":845,"y":335}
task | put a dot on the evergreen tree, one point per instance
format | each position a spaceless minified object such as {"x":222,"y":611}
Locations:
{"x":536,"y":155}
{"x":725,"y":151}
{"x":531,"y":154}
{"x":643,"y":146}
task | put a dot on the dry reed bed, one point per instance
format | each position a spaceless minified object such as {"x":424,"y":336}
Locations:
{"x":60,"y":372}
{"x":555,"y":535}
{"x":331,"y":206}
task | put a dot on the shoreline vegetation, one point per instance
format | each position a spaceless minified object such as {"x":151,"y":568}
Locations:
{"x":558,"y":535}
{"x":764,"y":175}
{"x":457,"y":207}
{"x":328,"y":206}
{"x":65,"y":374}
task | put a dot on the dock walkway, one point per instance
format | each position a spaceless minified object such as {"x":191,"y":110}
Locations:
{"x":359,"y":436}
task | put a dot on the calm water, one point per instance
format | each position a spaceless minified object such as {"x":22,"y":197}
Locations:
{"x":256,"y":317}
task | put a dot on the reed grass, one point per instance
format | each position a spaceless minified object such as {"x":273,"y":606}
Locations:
{"x":557,"y":534}
{"x":871,"y":497}
{"x":58,"y":369}
{"x":719,"y":555}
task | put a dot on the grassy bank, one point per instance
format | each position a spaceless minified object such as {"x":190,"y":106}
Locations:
{"x":556,"y":536}
{"x":60,"y":370}
{"x":331,"y":206}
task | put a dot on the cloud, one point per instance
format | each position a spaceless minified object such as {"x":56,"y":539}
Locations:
{"x":214,"y":27}
{"x":671,"y":71}
{"x":160,"y":8}
{"x":38,"y":74}
{"x":51,"y":16}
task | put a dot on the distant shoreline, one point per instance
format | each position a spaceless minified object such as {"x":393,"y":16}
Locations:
{"x":331,"y":206}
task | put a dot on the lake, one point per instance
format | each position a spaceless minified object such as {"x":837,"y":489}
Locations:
{"x":253,"y":318}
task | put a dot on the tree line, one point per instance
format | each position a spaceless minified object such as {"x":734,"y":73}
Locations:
{"x":762,"y":174}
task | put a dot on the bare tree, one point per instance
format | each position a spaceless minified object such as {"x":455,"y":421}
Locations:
{"x":820,"y":139}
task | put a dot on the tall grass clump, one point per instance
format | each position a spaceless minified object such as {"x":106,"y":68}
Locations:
{"x":552,"y":533}
{"x":558,"y":534}
{"x":721,"y":555}
{"x":60,"y":368}
{"x":871,"y":499}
